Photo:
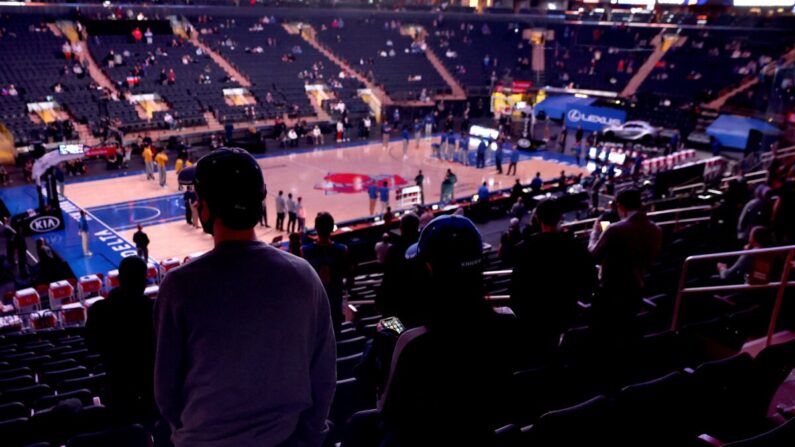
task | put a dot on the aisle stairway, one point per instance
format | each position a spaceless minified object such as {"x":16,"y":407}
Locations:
{"x":309,"y":36}
{"x":749,"y":82}
{"x":218,"y":59}
{"x":661,"y":45}
{"x":458,"y":93}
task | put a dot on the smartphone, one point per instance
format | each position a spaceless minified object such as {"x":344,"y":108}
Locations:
{"x":393,"y":324}
{"x":604,"y":225}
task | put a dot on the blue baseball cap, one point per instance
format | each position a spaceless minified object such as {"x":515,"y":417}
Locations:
{"x":450,"y":242}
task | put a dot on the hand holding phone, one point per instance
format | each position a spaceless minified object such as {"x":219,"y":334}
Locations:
{"x":393,"y":324}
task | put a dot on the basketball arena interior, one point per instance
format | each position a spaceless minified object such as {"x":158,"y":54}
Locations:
{"x":481,"y":222}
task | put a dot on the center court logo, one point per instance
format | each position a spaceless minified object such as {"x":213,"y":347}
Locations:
{"x":44,"y":224}
{"x":349,"y":183}
{"x":575,"y":116}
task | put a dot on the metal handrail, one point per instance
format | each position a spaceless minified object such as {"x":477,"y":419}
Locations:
{"x":780,"y":285}
{"x":781,"y":153}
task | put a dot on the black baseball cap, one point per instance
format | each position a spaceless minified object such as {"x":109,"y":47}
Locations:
{"x":231,"y":182}
{"x":451,"y":243}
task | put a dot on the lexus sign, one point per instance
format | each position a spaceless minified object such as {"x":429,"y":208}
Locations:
{"x":575,"y":116}
{"x":43,"y":224}
{"x":593,"y":118}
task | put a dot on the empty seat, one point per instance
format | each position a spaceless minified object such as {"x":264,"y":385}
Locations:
{"x":345,"y":365}
{"x":94,"y":383}
{"x":582,"y":424}
{"x":783,"y":435}
{"x":16,"y":382}
{"x":13,"y":410}
{"x":130,"y":436}
{"x":26,"y":395}
{"x":84,"y":396}
{"x":351,"y":346}
{"x":56,"y":377}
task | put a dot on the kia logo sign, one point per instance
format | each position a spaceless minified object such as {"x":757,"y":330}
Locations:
{"x":575,"y":116}
{"x":44,"y":224}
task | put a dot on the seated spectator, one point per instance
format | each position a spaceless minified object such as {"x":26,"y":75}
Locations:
{"x":756,"y":212}
{"x":229,"y":383}
{"x":449,"y":378}
{"x":752,"y":269}
{"x":543,"y":292}
{"x":120,"y":328}
{"x":509,"y":240}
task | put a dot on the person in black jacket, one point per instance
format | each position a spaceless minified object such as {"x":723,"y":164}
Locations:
{"x":141,"y":241}
{"x":121,"y":329}
{"x":544,"y":291}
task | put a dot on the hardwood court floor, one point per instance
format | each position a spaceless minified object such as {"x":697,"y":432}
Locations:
{"x":302,"y":174}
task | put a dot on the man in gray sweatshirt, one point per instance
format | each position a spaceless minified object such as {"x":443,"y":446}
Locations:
{"x":245,"y":346}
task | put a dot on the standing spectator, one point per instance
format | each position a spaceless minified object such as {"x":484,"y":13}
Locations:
{"x":263,"y":220}
{"x":562,"y":181}
{"x":83,"y":231}
{"x":367,"y":123}
{"x":161,"y":159}
{"x":562,"y":139}
{"x":171,"y":77}
{"x":443,"y":146}
{"x":417,"y":132}
{"x":452,"y":180}
{"x":121,"y":330}
{"x":49,"y":262}
{"x":386,"y":129}
{"x":428,"y":126}
{"x":5,"y":179}
{"x":543,"y":294}
{"x":223,"y":385}
{"x":137,"y":34}
{"x":149,"y":36}
{"x":292,"y":217}
{"x":317,"y":135}
{"x":396,"y":295}
{"x":578,"y":135}
{"x":372,"y":195}
{"x":301,"y":214}
{"x":419,"y":180}
{"x":141,"y":241}
{"x":498,"y":155}
{"x":514,"y":161}
{"x":625,"y":250}
{"x":381,"y":249}
{"x":480,"y":162}
{"x":59,"y":178}
{"x":281,"y":206}
{"x":330,"y":261}
{"x":423,"y":403}
{"x":577,"y":149}
{"x":188,"y":198}
{"x":406,"y":138}
{"x":148,"y":162}
{"x":383,"y":193}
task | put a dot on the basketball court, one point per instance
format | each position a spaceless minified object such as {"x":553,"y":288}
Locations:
{"x":332,"y":179}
